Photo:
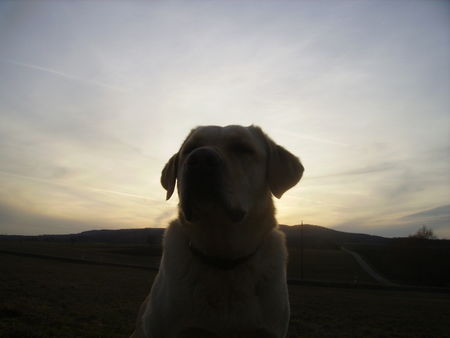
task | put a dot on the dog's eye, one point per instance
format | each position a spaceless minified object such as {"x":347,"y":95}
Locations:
{"x":241,"y":148}
{"x":189,"y":149}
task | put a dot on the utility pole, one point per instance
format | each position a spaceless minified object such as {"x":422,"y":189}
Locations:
{"x":301,"y":251}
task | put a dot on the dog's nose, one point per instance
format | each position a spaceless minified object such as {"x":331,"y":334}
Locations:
{"x":203,"y":159}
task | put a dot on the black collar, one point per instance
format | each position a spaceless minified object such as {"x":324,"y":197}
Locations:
{"x":218,"y":262}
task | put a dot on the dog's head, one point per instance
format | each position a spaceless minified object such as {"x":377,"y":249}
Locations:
{"x":225,"y":178}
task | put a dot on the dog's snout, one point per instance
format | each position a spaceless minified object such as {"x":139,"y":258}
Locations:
{"x":203,"y":159}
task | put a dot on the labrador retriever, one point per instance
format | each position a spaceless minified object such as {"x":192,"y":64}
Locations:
{"x":223,"y":269}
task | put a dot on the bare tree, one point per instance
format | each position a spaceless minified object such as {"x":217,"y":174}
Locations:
{"x":424,"y":233}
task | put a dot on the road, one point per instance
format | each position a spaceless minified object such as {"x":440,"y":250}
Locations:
{"x":368,"y":268}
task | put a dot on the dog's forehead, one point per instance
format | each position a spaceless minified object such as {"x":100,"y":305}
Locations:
{"x":221,"y":135}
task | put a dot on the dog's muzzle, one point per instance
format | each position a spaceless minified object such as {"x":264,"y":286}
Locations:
{"x":203,"y":187}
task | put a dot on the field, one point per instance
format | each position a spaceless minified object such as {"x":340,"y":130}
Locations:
{"x":326,"y":265}
{"x":409,"y":261}
{"x":318,"y":264}
{"x":42,"y":297}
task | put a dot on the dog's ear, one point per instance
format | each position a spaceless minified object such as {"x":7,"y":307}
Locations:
{"x":169,"y":175}
{"x":284,"y":170}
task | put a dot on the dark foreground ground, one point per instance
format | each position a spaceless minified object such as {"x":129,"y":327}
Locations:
{"x":50,"y":298}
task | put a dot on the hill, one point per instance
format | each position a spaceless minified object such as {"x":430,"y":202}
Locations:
{"x":318,"y":237}
{"x":144,"y":235}
{"x":313,"y":237}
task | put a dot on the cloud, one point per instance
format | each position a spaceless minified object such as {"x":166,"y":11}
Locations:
{"x":53,"y":182}
{"x":310,"y":137}
{"x":442,"y":211}
{"x":363,"y":108}
{"x":164,"y":217}
{"x":64,"y":75}
{"x":372,"y":169}
{"x":437,"y":219}
{"x":18,"y":221}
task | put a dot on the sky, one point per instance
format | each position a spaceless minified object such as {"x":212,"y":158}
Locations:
{"x":95,"y":96}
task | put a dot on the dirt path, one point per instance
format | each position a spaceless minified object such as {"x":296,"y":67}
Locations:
{"x":368,"y":268}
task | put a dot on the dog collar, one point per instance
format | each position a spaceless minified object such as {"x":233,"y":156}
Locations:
{"x":218,"y":262}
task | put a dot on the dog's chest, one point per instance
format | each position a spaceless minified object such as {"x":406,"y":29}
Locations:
{"x":219,"y":298}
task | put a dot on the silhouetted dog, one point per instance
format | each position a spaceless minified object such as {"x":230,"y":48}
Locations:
{"x":223,"y":270}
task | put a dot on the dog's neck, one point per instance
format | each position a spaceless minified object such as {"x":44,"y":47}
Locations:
{"x":219,"y":262}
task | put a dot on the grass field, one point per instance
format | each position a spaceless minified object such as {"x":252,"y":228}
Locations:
{"x":326,"y":265}
{"x":409,"y":261}
{"x":53,"y":298}
{"x":322,"y":265}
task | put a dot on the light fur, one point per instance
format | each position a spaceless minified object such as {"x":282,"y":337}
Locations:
{"x":191,"y":298}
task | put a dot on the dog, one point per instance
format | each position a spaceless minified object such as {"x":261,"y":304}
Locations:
{"x":223,"y":268}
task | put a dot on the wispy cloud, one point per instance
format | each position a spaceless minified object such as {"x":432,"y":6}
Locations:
{"x":65,"y":75}
{"x":437,"y":219}
{"x":382,"y":167}
{"x":81,"y":187}
{"x":442,"y":211}
{"x":311,"y":137}
{"x":363,"y":121}
{"x":165,"y":216}
{"x":21,"y":221}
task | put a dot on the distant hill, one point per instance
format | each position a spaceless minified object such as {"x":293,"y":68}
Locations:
{"x":144,"y":235}
{"x":313,"y":236}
